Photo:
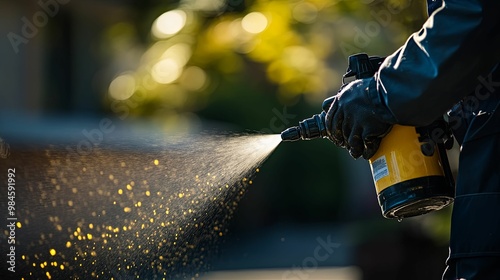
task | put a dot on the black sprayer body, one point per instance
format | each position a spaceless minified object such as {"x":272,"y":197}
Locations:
{"x":311,"y":128}
{"x":410,"y":177}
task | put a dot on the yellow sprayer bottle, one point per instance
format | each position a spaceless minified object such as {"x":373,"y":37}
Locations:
{"x":410,"y":169}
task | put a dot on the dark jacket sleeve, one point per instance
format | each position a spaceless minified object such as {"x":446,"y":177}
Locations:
{"x":441,"y":63}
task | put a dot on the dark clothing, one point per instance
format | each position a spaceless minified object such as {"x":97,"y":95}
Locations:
{"x":452,"y":59}
{"x":433,"y":5}
{"x":441,"y":63}
{"x":475,"y":229}
{"x":473,"y":268}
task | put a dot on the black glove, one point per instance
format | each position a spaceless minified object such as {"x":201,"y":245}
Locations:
{"x":354,"y":122}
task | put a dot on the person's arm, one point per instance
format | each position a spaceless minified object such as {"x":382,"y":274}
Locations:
{"x":440,"y":64}
{"x":437,"y":66}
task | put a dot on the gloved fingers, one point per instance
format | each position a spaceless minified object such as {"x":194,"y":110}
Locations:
{"x":337,"y":129}
{"x":333,"y":120}
{"x":371,"y":147}
{"x":372,"y":137}
{"x":329,"y":115}
{"x":377,"y":131}
{"x":328,"y":118}
{"x":341,"y":125}
{"x":355,"y":145}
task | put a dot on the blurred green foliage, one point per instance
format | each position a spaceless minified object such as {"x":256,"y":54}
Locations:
{"x":293,"y":49}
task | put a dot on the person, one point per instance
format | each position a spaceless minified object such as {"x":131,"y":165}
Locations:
{"x":448,"y":66}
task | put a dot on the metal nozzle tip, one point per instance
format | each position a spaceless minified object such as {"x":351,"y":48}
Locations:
{"x":291,"y":134}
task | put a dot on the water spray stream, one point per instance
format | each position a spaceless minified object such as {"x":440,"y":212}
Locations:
{"x":153,"y":208}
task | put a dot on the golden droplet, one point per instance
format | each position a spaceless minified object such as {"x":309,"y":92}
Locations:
{"x":156,"y":162}
{"x":52,"y":252}
{"x":127,"y":209}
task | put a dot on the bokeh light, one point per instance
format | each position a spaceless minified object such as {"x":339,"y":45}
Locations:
{"x":198,"y":42}
{"x":179,"y":52}
{"x":171,"y":63}
{"x":254,"y":22}
{"x":169,"y":24}
{"x":166,"y":71}
{"x":193,"y":78}
{"x":122,"y":87}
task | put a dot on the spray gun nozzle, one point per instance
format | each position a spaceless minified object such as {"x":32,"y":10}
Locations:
{"x":291,"y":134}
{"x":311,"y":128}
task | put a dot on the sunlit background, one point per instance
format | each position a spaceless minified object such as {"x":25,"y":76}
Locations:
{"x":258,"y":66}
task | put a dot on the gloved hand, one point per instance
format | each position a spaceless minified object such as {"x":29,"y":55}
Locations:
{"x":354,"y":122}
